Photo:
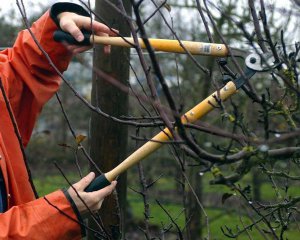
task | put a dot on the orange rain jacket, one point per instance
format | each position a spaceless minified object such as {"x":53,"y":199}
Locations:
{"x":29,"y":82}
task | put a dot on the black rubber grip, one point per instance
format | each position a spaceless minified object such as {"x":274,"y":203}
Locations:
{"x":99,"y":183}
{"x":61,"y":36}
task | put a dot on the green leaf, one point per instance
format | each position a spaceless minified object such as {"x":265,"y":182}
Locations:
{"x":216,"y":171}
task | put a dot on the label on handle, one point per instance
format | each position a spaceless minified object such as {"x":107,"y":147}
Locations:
{"x":205,"y":49}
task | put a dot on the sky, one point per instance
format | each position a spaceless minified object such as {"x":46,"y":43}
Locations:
{"x":34,"y":6}
{"x":10,"y":3}
{"x":28,"y":3}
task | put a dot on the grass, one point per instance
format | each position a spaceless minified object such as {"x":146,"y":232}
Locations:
{"x":270,"y":194}
{"x":218,"y":217}
{"x":48,"y":184}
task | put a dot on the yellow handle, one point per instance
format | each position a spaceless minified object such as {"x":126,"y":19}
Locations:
{"x":191,"y":116}
{"x":165,"y":45}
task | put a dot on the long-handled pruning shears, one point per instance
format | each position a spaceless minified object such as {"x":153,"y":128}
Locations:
{"x":254,"y":63}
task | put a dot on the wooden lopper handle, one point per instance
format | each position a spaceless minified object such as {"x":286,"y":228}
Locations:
{"x":191,"y":116}
{"x":165,"y":45}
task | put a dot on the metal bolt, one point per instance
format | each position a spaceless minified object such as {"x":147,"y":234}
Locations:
{"x":219,"y":48}
{"x":253,"y":60}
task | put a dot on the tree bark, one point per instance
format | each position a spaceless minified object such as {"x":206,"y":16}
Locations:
{"x":256,"y":183}
{"x":108,"y":139}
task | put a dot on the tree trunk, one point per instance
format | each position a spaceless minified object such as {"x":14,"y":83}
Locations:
{"x":195,"y":214}
{"x":109,"y":139}
{"x":256,"y":183}
{"x":63,"y":123}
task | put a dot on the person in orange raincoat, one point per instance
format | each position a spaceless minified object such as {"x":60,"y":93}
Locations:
{"x":27,"y":82}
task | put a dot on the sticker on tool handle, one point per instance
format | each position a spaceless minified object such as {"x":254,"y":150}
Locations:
{"x":205,"y":48}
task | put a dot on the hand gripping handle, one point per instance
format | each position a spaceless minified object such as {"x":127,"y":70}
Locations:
{"x":97,"y":184}
{"x":61,"y":36}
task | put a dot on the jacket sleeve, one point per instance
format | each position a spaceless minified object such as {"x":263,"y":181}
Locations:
{"x":29,"y":79}
{"x":48,"y":218}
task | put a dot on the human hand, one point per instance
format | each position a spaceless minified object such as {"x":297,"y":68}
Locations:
{"x":74,"y":23}
{"x":92,"y":200}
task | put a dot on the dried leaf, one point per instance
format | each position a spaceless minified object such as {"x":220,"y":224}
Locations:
{"x":226,"y":196}
{"x":64,"y":145}
{"x":80,"y":138}
{"x":46,"y":132}
{"x":247,"y":190}
{"x":168,"y":7}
